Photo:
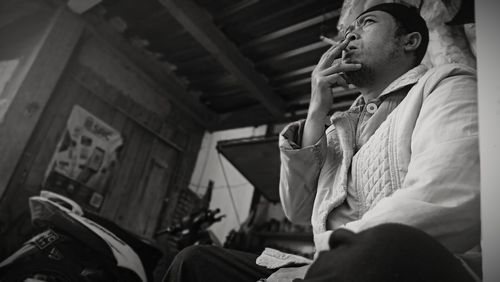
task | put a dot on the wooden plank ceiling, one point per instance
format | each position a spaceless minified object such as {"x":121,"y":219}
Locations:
{"x":245,"y":62}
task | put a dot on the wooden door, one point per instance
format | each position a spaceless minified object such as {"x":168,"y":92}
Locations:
{"x":140,"y":207}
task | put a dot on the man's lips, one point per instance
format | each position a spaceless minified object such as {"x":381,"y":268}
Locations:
{"x":349,"y":56}
{"x":350,"y":48}
{"x":347,"y":53}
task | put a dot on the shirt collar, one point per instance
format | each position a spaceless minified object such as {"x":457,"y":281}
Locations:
{"x":408,"y":78}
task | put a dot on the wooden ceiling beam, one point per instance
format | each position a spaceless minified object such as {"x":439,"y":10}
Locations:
{"x":302,"y":113}
{"x":294,"y":83}
{"x":266,"y":18}
{"x":200,"y":25}
{"x":256,"y":115}
{"x":250,"y":116}
{"x":237,"y":7}
{"x":293,"y":73}
{"x":337,"y":92}
{"x":158,"y":76}
{"x":295,"y":52}
{"x":293,"y":28}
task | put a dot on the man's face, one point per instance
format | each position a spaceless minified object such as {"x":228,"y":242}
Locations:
{"x":374,"y":44}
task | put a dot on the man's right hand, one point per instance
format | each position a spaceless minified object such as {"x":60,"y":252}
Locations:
{"x":326,"y":74}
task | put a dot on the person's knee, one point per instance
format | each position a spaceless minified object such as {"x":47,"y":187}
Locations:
{"x":388,"y":252}
{"x":193,"y":254}
{"x":187,"y":263}
{"x":388,"y":237}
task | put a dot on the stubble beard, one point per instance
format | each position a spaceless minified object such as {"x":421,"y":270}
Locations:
{"x":360,"y":78}
{"x":366,"y":75}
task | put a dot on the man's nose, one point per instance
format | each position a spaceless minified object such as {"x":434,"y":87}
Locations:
{"x":352,"y":36}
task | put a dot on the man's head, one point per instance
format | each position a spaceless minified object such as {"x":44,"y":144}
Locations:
{"x":408,"y":20}
{"x":385,"y":37}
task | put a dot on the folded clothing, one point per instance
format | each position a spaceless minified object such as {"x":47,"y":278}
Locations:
{"x":272,"y":259}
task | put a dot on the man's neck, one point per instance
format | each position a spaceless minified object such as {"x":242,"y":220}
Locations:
{"x":371,"y":93}
{"x":374,"y":89}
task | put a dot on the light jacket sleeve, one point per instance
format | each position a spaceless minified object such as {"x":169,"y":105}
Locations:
{"x":440,"y":193}
{"x":300,"y":168}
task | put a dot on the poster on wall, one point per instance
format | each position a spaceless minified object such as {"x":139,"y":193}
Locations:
{"x":84,"y":159}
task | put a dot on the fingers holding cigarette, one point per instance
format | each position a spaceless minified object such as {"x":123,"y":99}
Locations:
{"x":333,"y":53}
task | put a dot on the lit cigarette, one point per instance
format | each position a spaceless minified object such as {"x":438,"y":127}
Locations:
{"x":328,"y":40}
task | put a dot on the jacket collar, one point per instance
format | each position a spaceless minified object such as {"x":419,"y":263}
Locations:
{"x":410,"y":77}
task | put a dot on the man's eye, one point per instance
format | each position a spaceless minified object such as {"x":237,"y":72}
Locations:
{"x":366,"y":21}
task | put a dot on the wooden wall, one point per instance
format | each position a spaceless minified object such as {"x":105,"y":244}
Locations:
{"x":160,"y":142}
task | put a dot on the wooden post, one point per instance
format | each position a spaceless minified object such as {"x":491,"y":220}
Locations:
{"x":488,"y":61}
{"x":49,"y":59}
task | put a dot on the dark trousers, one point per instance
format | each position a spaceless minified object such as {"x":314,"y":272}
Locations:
{"x":389,"y":252}
{"x":208,"y":263}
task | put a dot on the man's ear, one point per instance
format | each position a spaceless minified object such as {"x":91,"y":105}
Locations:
{"x":411,"y":41}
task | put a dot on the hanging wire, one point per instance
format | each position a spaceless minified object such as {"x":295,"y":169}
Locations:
{"x":229,"y":190}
